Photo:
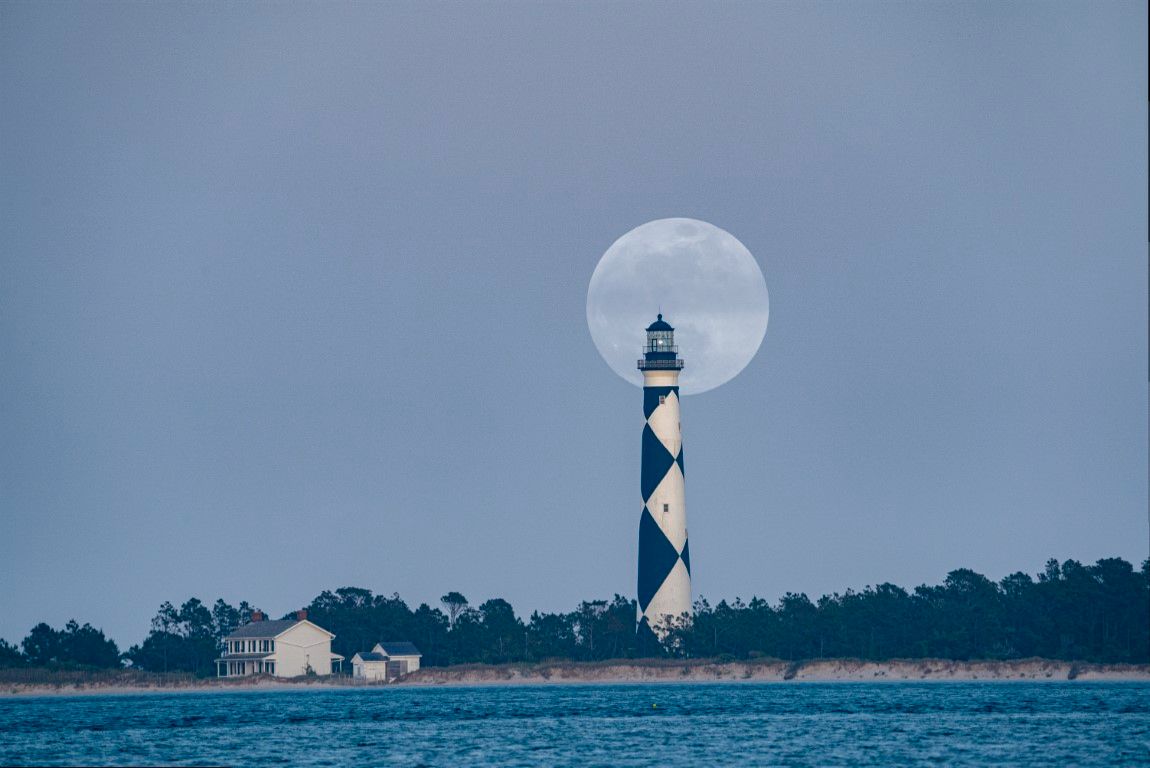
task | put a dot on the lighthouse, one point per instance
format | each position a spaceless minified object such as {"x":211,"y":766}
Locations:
{"x":664,"y":560}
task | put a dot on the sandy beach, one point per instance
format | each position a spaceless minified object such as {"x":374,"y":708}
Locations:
{"x":571,"y":673}
{"x":824,"y":670}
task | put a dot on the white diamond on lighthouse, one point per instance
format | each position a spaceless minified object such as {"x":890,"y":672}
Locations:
{"x":665,"y":423}
{"x":666,"y":505}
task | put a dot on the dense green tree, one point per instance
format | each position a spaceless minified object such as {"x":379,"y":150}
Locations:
{"x":798,"y":618}
{"x":550,"y":636}
{"x":75,"y":645}
{"x":87,"y":646}
{"x":454,"y":603}
{"x":588,"y":618}
{"x":42,"y":646}
{"x":617,"y":638}
{"x":360,"y":619}
{"x":504,"y":637}
{"x":225,"y":619}
{"x":1025,"y":623}
{"x":188,"y":638}
{"x":160,"y":652}
{"x":429,"y":633}
{"x":10,"y":655}
{"x":966,"y":617}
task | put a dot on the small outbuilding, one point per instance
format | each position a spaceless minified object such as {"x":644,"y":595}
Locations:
{"x":369,"y":665}
{"x":386,"y":661}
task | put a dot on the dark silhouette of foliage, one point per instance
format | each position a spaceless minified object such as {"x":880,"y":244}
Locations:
{"x":1091,"y":613}
{"x":1097,"y":613}
{"x":10,"y":655}
{"x":188,"y":639}
{"x":455,"y":603}
{"x":72,"y":646}
{"x":42,"y":646}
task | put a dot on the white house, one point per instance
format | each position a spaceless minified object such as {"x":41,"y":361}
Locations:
{"x":286,"y":648}
{"x":386,"y":661}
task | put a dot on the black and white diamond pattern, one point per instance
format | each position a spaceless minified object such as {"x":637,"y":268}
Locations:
{"x":664,"y":562}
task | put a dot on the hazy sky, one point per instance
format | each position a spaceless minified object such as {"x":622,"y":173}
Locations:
{"x":292,"y":296}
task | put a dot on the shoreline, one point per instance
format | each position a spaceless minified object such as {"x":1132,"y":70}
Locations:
{"x":776,"y":671}
{"x":614,"y":672}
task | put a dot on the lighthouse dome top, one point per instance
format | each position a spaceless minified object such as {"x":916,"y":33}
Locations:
{"x":660,"y":352}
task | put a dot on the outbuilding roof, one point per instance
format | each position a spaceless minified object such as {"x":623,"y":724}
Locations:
{"x":371,"y":656}
{"x":399,"y":648}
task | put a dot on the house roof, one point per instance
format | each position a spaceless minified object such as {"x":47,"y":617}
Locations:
{"x":269,"y":629}
{"x":371,"y":656}
{"x":262,"y":629}
{"x":399,"y":648}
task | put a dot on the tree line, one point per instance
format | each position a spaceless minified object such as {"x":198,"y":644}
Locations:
{"x":1071,"y":611}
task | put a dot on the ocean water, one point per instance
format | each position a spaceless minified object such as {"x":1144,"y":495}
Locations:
{"x":686,"y":724}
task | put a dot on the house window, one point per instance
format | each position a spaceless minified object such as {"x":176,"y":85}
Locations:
{"x":273,"y":642}
{"x":662,"y":399}
{"x":666,"y":508}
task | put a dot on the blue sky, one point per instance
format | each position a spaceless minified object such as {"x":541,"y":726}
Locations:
{"x":292,"y":296}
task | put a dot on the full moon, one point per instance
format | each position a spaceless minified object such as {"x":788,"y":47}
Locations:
{"x":703,"y":281}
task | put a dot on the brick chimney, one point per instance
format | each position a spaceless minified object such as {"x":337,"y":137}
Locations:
{"x":257,"y":616}
{"x":301,"y":615}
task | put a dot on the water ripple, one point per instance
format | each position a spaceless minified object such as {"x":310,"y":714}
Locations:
{"x":1079,"y":723}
